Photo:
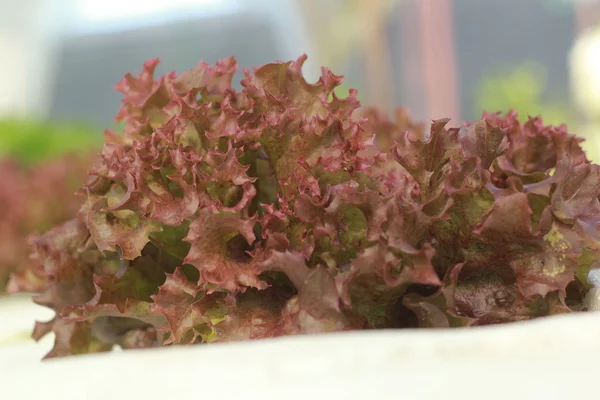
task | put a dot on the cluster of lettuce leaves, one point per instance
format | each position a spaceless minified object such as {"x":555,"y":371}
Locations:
{"x":280,"y":209}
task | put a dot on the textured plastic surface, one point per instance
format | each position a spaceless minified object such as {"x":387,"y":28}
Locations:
{"x":516,"y":361}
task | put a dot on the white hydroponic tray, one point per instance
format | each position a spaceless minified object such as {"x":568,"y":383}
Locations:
{"x":551,"y":358}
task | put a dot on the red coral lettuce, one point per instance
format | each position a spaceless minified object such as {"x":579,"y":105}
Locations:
{"x":34,"y":198}
{"x":281,"y":209}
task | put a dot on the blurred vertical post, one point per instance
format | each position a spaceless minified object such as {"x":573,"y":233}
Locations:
{"x":28,"y":31}
{"x":584,"y":64}
{"x":311,"y":13}
{"x":376,"y":52}
{"x":413,"y":95}
{"x":436,"y":30}
{"x":15,"y":38}
{"x":584,"y":57}
{"x":319,"y":26}
{"x":344,"y":27}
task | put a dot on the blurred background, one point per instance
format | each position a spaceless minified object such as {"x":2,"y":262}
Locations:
{"x":438,"y":58}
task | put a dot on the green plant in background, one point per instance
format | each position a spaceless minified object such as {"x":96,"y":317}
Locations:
{"x":32,"y":141}
{"x":523,"y":89}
